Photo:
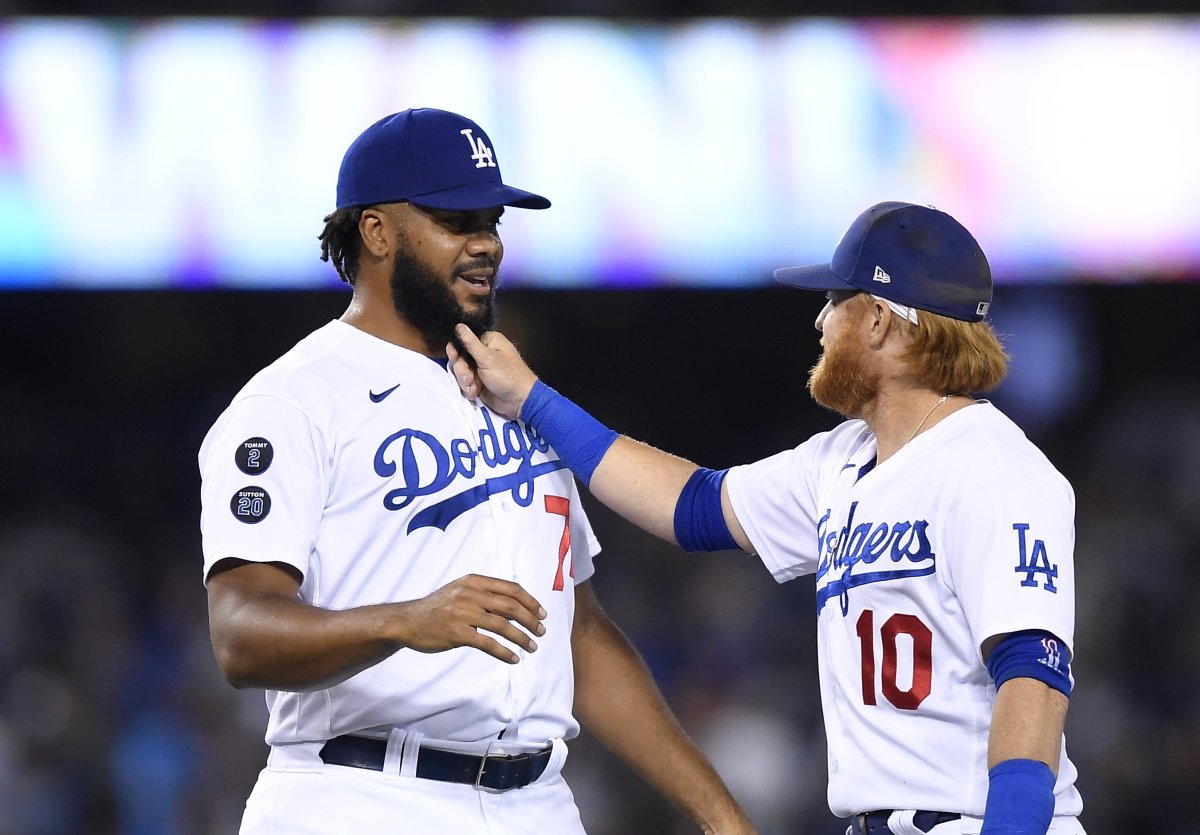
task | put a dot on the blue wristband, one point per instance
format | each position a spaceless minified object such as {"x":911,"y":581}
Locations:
{"x":699,"y":520}
{"x":578,"y":438}
{"x":1020,"y":799}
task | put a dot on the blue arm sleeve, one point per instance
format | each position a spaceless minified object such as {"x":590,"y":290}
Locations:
{"x":699,"y":521}
{"x":1032,"y":653}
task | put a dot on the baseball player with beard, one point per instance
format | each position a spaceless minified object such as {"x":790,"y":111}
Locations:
{"x":406,"y":573}
{"x":941,"y":538}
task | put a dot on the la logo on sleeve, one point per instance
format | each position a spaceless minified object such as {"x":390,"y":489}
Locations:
{"x":1034,"y":561}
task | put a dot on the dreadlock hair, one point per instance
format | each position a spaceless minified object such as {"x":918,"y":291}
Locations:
{"x":341,"y":242}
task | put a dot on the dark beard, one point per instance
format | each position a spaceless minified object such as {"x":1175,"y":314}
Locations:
{"x":839,"y":381}
{"x":425,"y":300}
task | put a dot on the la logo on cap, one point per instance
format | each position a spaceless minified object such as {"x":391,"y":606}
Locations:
{"x":480,"y":152}
{"x":881,"y":276}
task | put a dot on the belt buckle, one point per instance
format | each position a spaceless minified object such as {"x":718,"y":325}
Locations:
{"x":478,"y":784}
{"x":508,"y":758}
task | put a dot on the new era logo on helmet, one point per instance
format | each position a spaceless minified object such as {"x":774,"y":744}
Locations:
{"x":480,"y":152}
{"x":982,"y":308}
{"x":881,"y":276}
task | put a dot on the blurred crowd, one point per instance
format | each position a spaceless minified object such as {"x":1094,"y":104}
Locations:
{"x":115,"y":721}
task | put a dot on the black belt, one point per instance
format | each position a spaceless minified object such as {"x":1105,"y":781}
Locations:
{"x":875,"y":823}
{"x":495,"y":772}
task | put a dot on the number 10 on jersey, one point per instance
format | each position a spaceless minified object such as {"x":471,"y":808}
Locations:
{"x":921,"y":642}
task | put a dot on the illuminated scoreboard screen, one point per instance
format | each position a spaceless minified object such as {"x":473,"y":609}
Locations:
{"x":203,"y":153}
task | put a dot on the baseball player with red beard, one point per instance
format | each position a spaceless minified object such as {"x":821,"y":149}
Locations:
{"x":941,"y":538}
{"x":405,"y":573}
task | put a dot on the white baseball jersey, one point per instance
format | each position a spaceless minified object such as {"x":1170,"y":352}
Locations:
{"x":965,"y":533}
{"x":360,"y":464}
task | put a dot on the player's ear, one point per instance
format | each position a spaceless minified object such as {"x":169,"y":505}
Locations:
{"x":372,"y":228}
{"x":879,"y":321}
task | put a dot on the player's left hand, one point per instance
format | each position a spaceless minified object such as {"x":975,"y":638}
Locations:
{"x":498,"y":375}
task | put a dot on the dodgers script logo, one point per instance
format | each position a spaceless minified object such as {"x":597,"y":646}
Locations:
{"x":849,"y":555}
{"x":444,"y":465}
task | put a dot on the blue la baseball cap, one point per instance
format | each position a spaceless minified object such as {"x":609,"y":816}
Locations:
{"x":431,"y":158}
{"x":912,"y":255}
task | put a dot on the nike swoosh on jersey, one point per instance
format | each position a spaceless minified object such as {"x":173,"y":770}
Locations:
{"x":378,"y":398}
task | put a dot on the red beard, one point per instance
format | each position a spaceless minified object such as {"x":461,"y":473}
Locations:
{"x":840,"y":380}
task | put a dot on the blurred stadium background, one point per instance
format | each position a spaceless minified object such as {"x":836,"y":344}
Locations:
{"x":162,"y":181}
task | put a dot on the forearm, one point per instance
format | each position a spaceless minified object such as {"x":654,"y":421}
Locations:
{"x":617,"y":700}
{"x":1027,"y":723}
{"x":634,"y":479}
{"x":284,"y":644}
{"x":642,"y":484}
{"x":1023,"y":754}
{"x":653,"y":489}
{"x":265,"y":636}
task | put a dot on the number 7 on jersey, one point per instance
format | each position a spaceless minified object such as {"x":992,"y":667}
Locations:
{"x":561,"y":506}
